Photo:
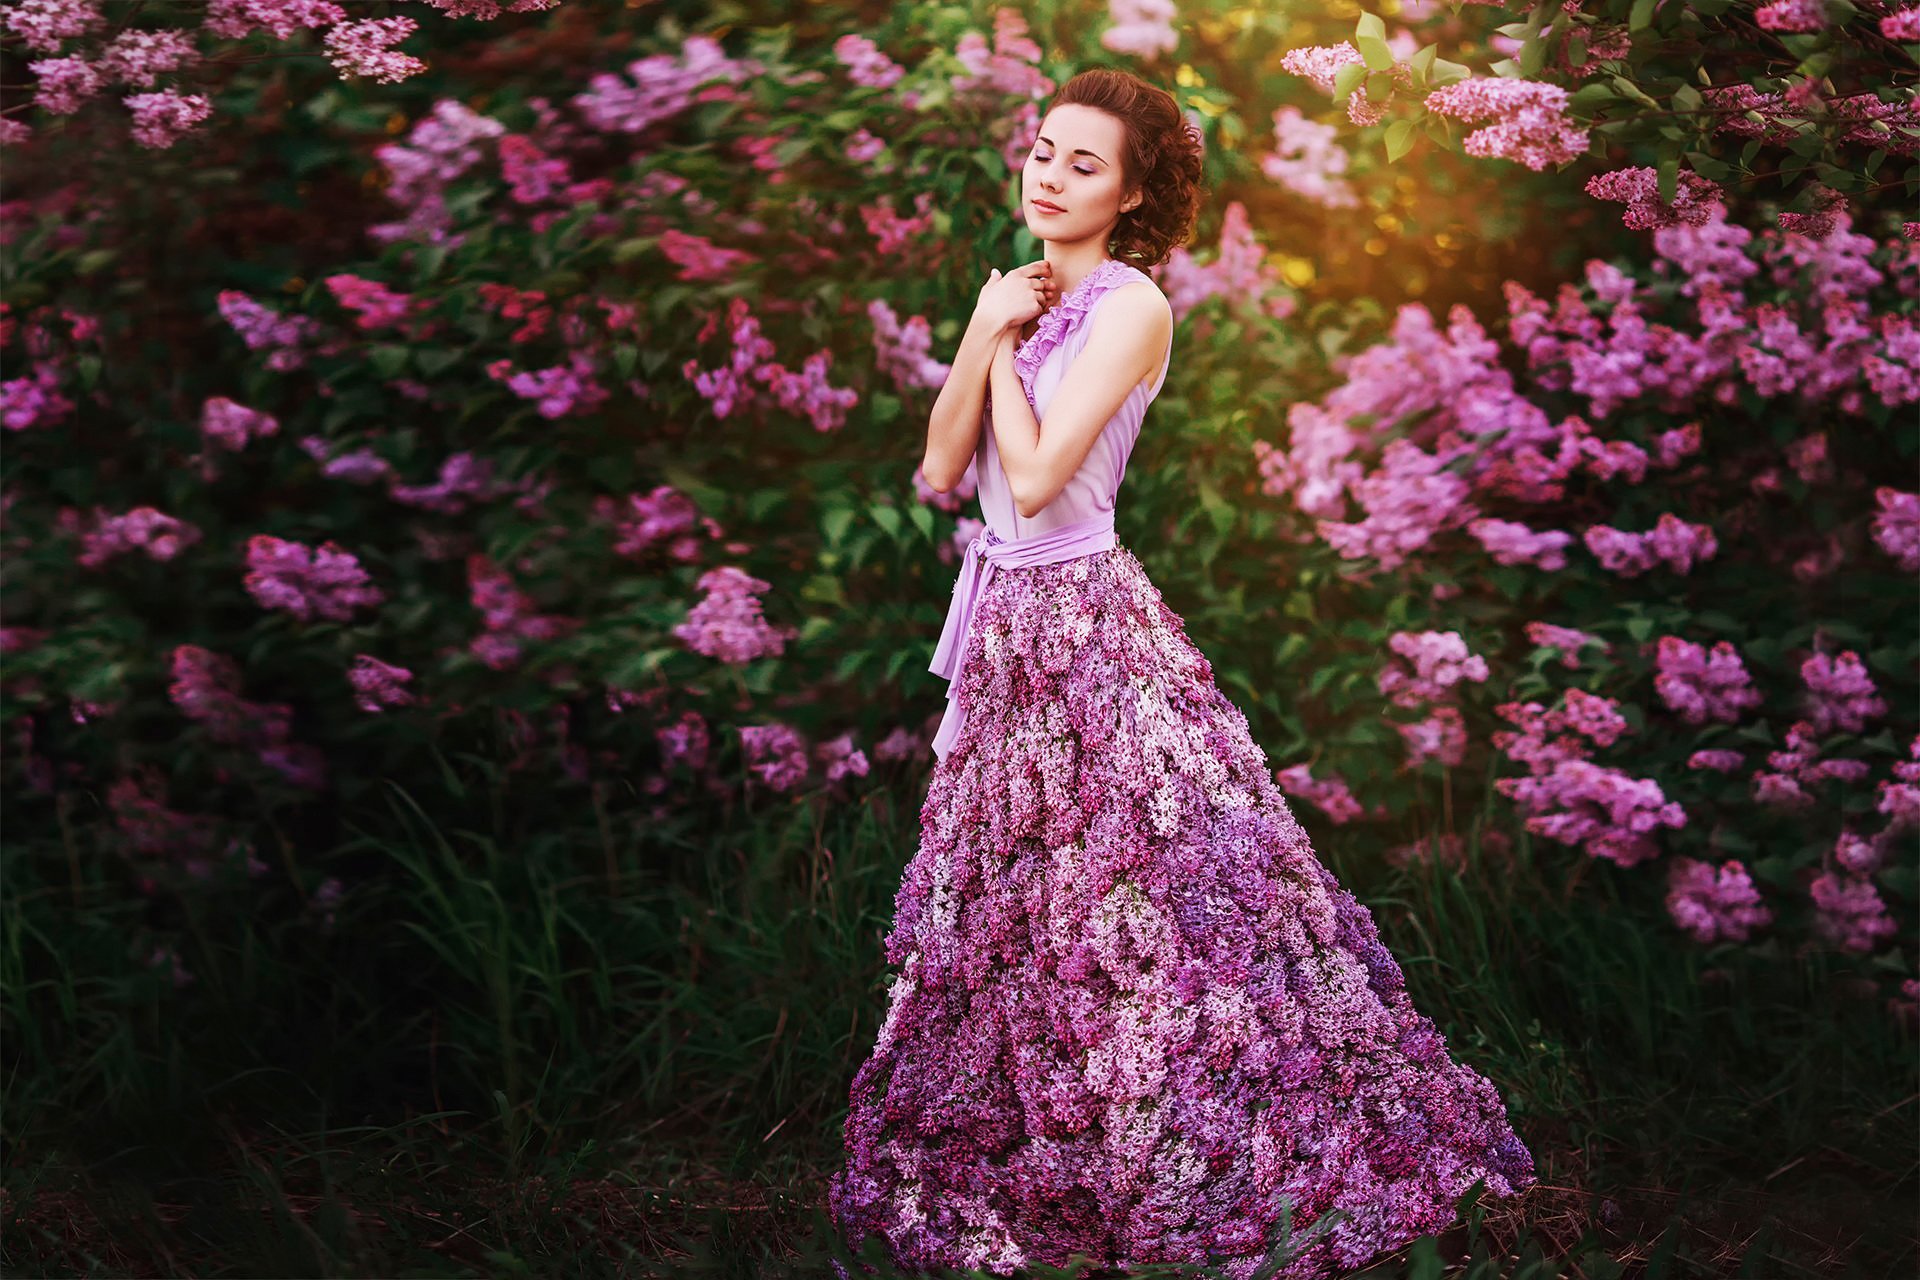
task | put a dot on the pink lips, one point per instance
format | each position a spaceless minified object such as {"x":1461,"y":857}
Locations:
{"x":1044,"y":207}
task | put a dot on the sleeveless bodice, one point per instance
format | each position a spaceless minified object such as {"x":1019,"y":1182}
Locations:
{"x":1079,"y":520}
{"x":1041,"y":362}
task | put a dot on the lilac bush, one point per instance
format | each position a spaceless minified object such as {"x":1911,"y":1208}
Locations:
{"x":1727,"y":705}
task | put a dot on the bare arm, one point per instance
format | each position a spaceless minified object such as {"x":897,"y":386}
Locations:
{"x":953,"y":429}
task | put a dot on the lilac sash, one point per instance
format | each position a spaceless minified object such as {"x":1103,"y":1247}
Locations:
{"x":1066,"y":542}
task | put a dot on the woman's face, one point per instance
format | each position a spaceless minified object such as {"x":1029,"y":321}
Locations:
{"x":1075,"y":164}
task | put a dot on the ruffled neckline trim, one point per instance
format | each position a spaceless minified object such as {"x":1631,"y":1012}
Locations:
{"x":1031,"y":354}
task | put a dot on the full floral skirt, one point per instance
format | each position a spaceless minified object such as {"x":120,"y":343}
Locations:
{"x":1131,"y":1015}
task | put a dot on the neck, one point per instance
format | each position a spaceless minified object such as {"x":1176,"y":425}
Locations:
{"x":1073,"y":263}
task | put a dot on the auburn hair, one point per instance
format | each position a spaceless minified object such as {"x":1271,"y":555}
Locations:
{"x":1161,"y":156}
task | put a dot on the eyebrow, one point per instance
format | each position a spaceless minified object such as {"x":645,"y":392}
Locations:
{"x":1079,"y":151}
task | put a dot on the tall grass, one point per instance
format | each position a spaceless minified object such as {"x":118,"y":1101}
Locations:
{"x":587,"y":1052}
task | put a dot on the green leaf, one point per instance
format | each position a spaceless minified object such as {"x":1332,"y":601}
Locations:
{"x":1641,"y":15}
{"x":922,"y":519}
{"x":1669,"y":171}
{"x":388,"y":359}
{"x":625,"y":354}
{"x":888,"y":518}
{"x":1590,"y":96}
{"x":1347,"y":79}
{"x":1375,"y":52}
{"x":1399,"y":139}
{"x":835,"y":524}
{"x":1369,"y":27}
{"x":434,"y":361}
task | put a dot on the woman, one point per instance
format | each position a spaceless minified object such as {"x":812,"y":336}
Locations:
{"x":1134,"y":1018}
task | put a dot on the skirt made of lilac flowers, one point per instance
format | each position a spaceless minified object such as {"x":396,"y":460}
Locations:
{"x":1131,"y":1015}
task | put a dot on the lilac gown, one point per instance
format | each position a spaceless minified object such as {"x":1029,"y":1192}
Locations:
{"x":1132,"y":1016}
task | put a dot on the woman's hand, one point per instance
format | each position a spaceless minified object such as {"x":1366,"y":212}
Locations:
{"x":1013,"y":299}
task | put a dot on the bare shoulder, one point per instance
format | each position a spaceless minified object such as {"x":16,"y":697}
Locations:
{"x":1140,"y":303}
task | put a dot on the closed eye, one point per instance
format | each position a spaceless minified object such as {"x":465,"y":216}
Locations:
{"x":1076,"y":168}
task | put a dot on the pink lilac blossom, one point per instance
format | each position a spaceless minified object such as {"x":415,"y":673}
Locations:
{"x":463,"y":478}
{"x":663,"y":85}
{"x":1529,"y":120}
{"x":1718,"y":759}
{"x":1439,"y":660}
{"x":1141,"y":28}
{"x":1408,"y":501}
{"x":1569,"y":799}
{"x":952,"y":500}
{"x":1672,"y":542}
{"x":903,"y":352}
{"x":440,"y":147}
{"x":139,"y":58}
{"x":1896,"y":526}
{"x":509,"y":616}
{"x":1830,"y":211}
{"x":1849,"y":912}
{"x":664,"y":518}
{"x":1329,"y":795}
{"x":1321,"y":63}
{"x":289,"y":340}
{"x":43,"y":25}
{"x":727,"y":624}
{"x":684,"y":743}
{"x":866,"y":64}
{"x":892,"y":232}
{"x":1239,"y":273}
{"x":232,"y":425}
{"x":376,"y":305}
{"x":160,"y":536}
{"x":1793,"y":17}
{"x":1007,"y":69}
{"x":1714,"y":904}
{"x":556,"y":391}
{"x":1702,"y":686}
{"x":236,"y":19}
{"x":1694,"y":199}
{"x":1840,"y":693}
{"x":1567,"y":641}
{"x":148,"y":827}
{"x":1308,"y":160}
{"x":307,"y":582}
{"x":162,"y":119}
{"x":1513,"y":543}
{"x":901,"y":743}
{"x":1790,"y":771}
{"x":864,"y":148}
{"x":34,"y":400}
{"x":776,"y":754}
{"x":356,"y":466}
{"x":1902,"y":25}
{"x":1858,"y":855}
{"x":165,"y":960}
{"x":63,"y":85}
{"x":733,"y":385}
{"x":1441,"y":737}
{"x":1115,"y":949}
{"x":362,"y":49}
{"x":1444,"y":850}
{"x":841,"y":759}
{"x":377,"y":684}
{"x":206,"y":689}
{"x":699,"y":259}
